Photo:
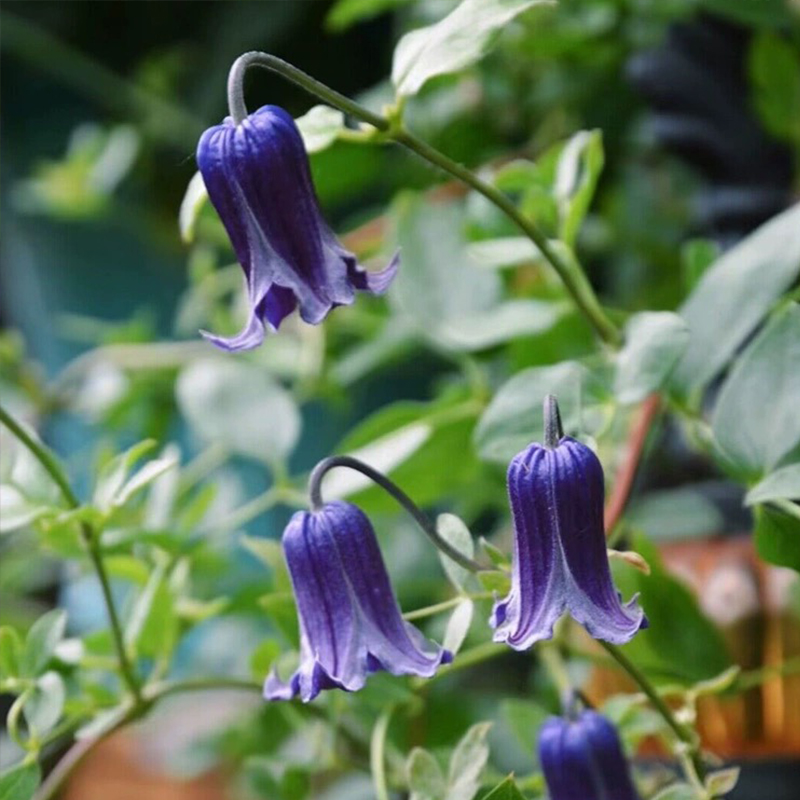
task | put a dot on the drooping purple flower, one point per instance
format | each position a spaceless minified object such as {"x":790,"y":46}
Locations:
{"x":350,"y":622}
{"x":582,"y":759}
{"x":258,"y":178}
{"x":560,"y":560}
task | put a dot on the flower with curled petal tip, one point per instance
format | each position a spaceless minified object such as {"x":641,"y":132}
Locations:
{"x":350,"y":623}
{"x":582,"y":759}
{"x":258,"y":179}
{"x":560,"y":560}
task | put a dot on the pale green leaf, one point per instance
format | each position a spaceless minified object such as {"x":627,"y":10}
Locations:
{"x":455,"y":533}
{"x":41,"y":641}
{"x":654,"y":341}
{"x":734,"y":295}
{"x":193,"y":201}
{"x":424,"y":775}
{"x":514,"y":418}
{"x":784,"y":483}
{"x":319,"y":127}
{"x":756,"y":421}
{"x":577,"y":172}
{"x":467,"y":763}
{"x":458,"y":626}
{"x":44,"y":706}
{"x":237,"y":404}
{"x":454,"y":43}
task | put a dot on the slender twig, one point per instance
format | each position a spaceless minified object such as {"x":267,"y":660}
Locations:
{"x":376,"y":754}
{"x":49,"y":462}
{"x":623,"y":481}
{"x":43,"y":455}
{"x":569,"y":271}
{"x":425,"y":523}
{"x":682,"y":732}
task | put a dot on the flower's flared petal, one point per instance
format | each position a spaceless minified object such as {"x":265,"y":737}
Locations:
{"x":538,"y":588}
{"x":577,"y":487}
{"x":375,"y":282}
{"x":333,"y":652}
{"x":607,"y":756}
{"x":252,"y":335}
{"x":277,"y":304}
{"x":396,"y":645}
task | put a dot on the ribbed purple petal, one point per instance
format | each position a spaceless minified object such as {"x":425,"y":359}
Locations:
{"x":560,"y":561}
{"x":258,"y":178}
{"x":350,"y":622}
{"x":397,"y":645}
{"x":582,"y":760}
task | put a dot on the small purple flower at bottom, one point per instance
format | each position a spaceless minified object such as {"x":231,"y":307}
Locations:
{"x":350,"y":622}
{"x":582,"y":759}
{"x":258,"y":179}
{"x":560,"y":559}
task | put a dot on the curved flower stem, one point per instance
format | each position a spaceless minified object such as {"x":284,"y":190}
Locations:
{"x":254,"y":58}
{"x":422,"y":519}
{"x":43,"y":455}
{"x":685,"y":735}
{"x":376,"y":753}
{"x":568,"y":270}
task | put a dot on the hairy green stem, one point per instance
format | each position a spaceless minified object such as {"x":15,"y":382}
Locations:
{"x":682,"y":732}
{"x":43,"y":455}
{"x":569,"y":271}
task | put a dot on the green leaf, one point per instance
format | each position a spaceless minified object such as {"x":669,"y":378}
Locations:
{"x":577,"y":172}
{"x":783,"y":484}
{"x":453,"y":43}
{"x":152,"y":626}
{"x":760,"y":14}
{"x":346,"y":13}
{"x":679,"y":791}
{"x":777,"y":537}
{"x":506,"y":251}
{"x":722,"y":781}
{"x":269,"y":552}
{"x":458,"y":626}
{"x":456,"y":533}
{"x":424,"y":775}
{"x":734,"y":295}
{"x":774,"y":69}
{"x":10,"y":652}
{"x":654,"y":341}
{"x":467,"y":763}
{"x":507,"y":790}
{"x":495,"y":581}
{"x":681,"y":644}
{"x":320,"y":127}
{"x":756,"y":421}
{"x":462,"y":310}
{"x":18,"y":510}
{"x":44,"y":706}
{"x":670,"y":514}
{"x":193,"y":201}
{"x":20,"y":782}
{"x":697,"y":255}
{"x":514,"y":418}
{"x":114,"y":474}
{"x":238,"y":405}
{"x":497,"y":556}
{"x":41,"y":642}
{"x":143,"y":477}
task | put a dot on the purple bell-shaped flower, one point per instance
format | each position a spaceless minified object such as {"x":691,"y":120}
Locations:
{"x":560,"y":559}
{"x":582,"y":759}
{"x":350,"y":622}
{"x":258,"y":178}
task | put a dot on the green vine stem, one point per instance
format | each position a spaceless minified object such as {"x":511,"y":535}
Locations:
{"x":568,"y":270}
{"x":43,"y":455}
{"x":684,"y":734}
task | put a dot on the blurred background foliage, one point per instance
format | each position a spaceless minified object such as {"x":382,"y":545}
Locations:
{"x":439,"y":385}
